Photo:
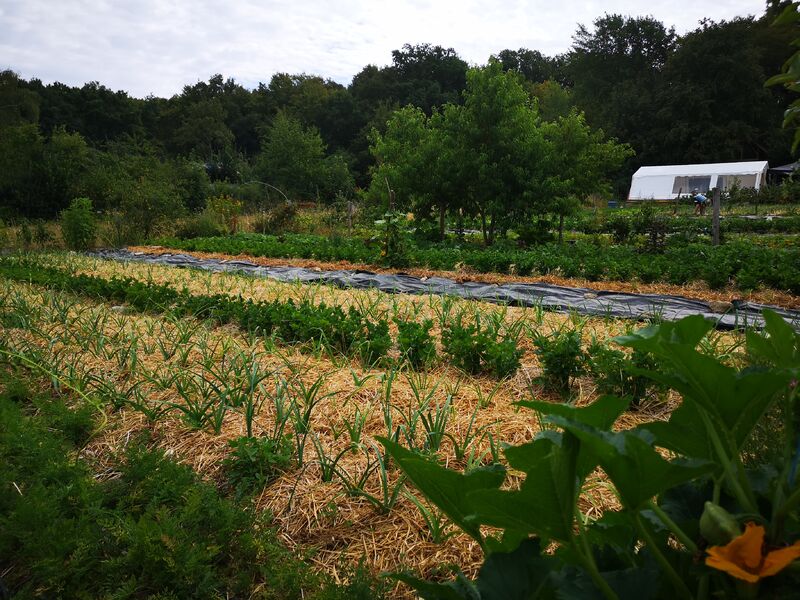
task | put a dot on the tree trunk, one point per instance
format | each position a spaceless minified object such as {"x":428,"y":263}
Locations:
{"x":560,"y":228}
{"x":483,"y":229}
{"x":442,"y":211}
{"x":491,"y":230}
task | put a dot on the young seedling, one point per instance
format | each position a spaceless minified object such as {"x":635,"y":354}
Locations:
{"x":437,"y":523}
{"x":306,"y":398}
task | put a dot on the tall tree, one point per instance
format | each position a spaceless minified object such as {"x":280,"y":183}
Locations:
{"x":714,"y":106}
{"x":616,"y":68}
{"x":293,"y":160}
{"x":18,"y":105}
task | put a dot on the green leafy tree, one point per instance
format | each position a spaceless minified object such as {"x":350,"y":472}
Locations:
{"x":554,"y":100}
{"x":790,"y":72}
{"x":616,"y":68}
{"x":581,"y":161}
{"x":293,"y":159}
{"x":203,"y":130}
{"x":534,"y":66}
{"x":17,"y":104}
{"x":39,"y":176}
{"x":714,"y":106}
{"x":148,"y":197}
{"x":503,"y":153}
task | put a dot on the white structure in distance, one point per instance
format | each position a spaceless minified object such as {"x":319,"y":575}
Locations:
{"x":666,"y":182}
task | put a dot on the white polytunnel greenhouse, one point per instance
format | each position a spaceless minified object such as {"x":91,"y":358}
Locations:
{"x":668,"y":181}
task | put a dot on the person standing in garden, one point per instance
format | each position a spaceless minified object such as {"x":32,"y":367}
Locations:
{"x":700,"y":201}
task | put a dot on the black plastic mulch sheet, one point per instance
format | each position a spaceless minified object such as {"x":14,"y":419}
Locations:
{"x":550,"y":297}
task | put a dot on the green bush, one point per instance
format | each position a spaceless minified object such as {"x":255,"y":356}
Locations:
{"x":535,"y":233}
{"x":503,"y":358}
{"x":478,"y":348}
{"x":78,"y":225}
{"x":25,"y":235}
{"x":202,"y":225}
{"x":620,"y":227}
{"x":41,"y":236}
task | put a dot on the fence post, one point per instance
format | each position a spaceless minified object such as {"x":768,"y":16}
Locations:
{"x":715,"y":218}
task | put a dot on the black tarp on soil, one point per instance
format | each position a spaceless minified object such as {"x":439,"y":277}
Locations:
{"x":549,"y":297}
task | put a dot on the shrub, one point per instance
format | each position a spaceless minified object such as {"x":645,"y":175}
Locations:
{"x":202,"y":225}
{"x":620,"y":227}
{"x":466,"y":346}
{"x":535,"y":233}
{"x":25,"y":235}
{"x":277,"y":220}
{"x":227,"y":209}
{"x":358,"y":335}
{"x":393,"y":238}
{"x":503,"y":358}
{"x":41,"y":236}
{"x":255,"y":461}
{"x":78,"y":225}
{"x":147,"y":205}
{"x":561,"y":357}
{"x":415,"y":342}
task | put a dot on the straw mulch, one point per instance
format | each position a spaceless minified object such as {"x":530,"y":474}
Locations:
{"x":309,"y":513}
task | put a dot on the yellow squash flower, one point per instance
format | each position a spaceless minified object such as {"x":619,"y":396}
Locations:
{"x":744,"y":557}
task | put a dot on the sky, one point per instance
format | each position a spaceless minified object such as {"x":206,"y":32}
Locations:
{"x":156,"y":47}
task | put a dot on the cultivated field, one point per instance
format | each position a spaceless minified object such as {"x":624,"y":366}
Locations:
{"x":199,"y":387}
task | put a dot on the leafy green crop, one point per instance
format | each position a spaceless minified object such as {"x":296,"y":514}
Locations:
{"x":679,"y":261}
{"x":618,"y":373}
{"x":562,"y":358}
{"x":480,"y":347}
{"x":652,"y":547}
{"x":255,"y":461}
{"x":415,"y":342}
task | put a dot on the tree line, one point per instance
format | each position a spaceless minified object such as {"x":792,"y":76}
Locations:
{"x":664,"y":98}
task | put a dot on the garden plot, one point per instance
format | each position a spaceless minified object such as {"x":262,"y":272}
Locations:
{"x":204,"y":389}
{"x":547,"y":296}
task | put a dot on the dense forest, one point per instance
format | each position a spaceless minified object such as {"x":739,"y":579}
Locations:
{"x":632,"y":83}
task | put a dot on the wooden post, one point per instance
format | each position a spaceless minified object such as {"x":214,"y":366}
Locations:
{"x":715,"y":218}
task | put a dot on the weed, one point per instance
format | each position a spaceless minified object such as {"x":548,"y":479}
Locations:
{"x":255,"y":461}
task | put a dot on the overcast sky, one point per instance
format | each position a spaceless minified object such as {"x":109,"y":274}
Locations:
{"x":157,"y":47}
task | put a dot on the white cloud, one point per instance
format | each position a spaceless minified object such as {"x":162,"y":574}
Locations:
{"x":153,"y":46}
